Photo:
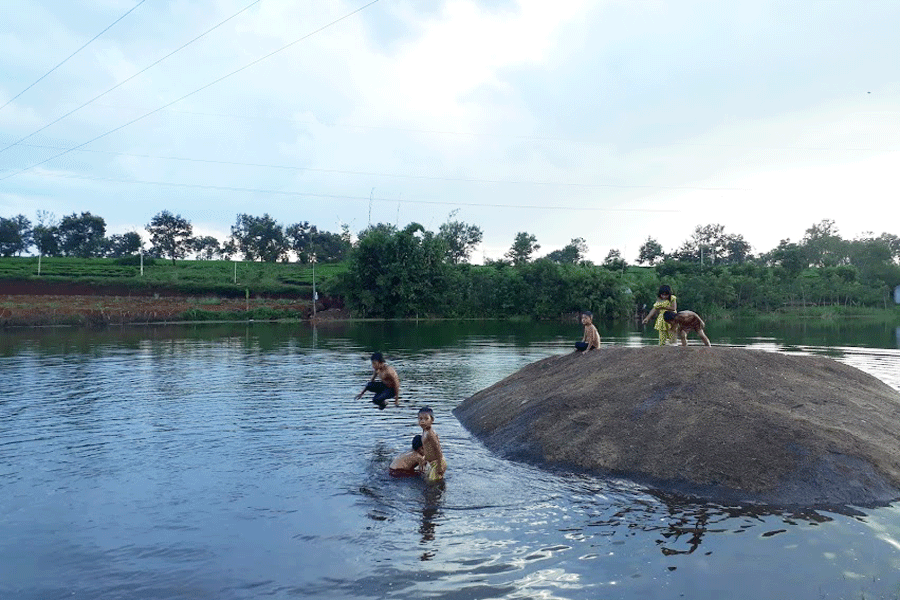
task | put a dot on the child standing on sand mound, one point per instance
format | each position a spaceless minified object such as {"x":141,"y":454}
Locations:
{"x":665,"y":300}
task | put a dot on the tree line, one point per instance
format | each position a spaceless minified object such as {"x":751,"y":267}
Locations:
{"x":402,"y":272}
{"x":413,"y":272}
{"x":171,"y":236}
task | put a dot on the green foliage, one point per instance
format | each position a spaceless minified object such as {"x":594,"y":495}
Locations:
{"x":650,"y":252}
{"x":81,"y":235}
{"x":258,"y":238}
{"x":207,"y":247}
{"x":571,"y":253}
{"x":15,"y":235}
{"x":395,"y":273}
{"x":524,"y":245}
{"x":460,"y":239}
{"x":206,"y":277}
{"x":117,"y":246}
{"x":170,"y":235}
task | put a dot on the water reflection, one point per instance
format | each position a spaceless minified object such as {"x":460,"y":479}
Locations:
{"x":432,"y":497}
{"x":231,"y":462}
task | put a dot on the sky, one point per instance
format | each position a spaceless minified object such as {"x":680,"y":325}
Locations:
{"x":612,"y":121}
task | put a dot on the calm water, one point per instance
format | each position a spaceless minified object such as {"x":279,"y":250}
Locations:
{"x":231,"y":462}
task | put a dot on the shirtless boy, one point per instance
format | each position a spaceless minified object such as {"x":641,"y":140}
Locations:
{"x":411,"y":462}
{"x":591,"y":339}
{"x":387,"y":387}
{"x":436,"y":465}
{"x":684,"y":321}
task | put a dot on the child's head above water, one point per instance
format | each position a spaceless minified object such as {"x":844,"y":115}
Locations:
{"x":417,"y":443}
{"x":377,"y":357}
{"x":426,"y":416}
{"x":669,"y":315}
{"x":587,"y":316}
{"x":664,"y":290}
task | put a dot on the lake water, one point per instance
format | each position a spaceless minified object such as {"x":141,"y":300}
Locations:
{"x":232,"y":461}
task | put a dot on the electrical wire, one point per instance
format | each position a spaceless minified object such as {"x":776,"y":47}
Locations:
{"x":73,"y":54}
{"x":396,"y":175}
{"x":225,"y":188}
{"x":200,"y":89}
{"x":124,"y":81}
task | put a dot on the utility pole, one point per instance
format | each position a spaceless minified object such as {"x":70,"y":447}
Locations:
{"x":312,"y":259}
{"x":372,"y":193}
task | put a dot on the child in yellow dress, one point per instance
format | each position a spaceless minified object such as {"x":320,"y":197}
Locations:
{"x":665,"y":300}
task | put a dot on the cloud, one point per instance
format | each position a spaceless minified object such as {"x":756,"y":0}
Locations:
{"x":645,"y":118}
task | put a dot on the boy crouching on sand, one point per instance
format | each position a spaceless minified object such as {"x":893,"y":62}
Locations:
{"x":591,"y":339}
{"x":684,"y":321}
{"x":411,"y":462}
{"x":436,"y":465}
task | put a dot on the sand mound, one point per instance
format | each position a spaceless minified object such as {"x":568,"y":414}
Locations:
{"x":719,"y":423}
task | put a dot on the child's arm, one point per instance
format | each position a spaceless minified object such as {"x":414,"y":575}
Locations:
{"x":360,"y":395}
{"x":440,"y":455}
{"x":650,"y":315}
{"x":674,"y":304}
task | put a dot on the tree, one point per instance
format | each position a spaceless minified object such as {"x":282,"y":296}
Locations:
{"x":259,"y":238}
{"x":709,"y":244}
{"x":737,"y":250}
{"x":299,"y":237}
{"x":395,"y":273}
{"x":126,"y":244}
{"x":207,"y":247}
{"x":614,"y":261}
{"x":45,"y":234}
{"x":523,"y":247}
{"x":570,"y":254}
{"x":81,"y":235}
{"x":330,"y":247}
{"x":460,"y":238}
{"x":170,"y":235}
{"x":790,"y":257}
{"x":650,"y":252}
{"x":824,"y":246}
{"x":15,"y":235}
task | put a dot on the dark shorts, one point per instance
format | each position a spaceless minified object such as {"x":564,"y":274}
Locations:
{"x":382,"y":393}
{"x":581,"y":346}
{"x":403,"y":472}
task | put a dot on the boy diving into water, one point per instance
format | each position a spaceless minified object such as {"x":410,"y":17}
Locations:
{"x":387,"y":387}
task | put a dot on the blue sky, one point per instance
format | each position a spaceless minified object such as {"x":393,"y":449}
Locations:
{"x":610,"y":121}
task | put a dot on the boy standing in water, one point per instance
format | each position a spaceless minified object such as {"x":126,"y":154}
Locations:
{"x":436,"y":465}
{"x":591,"y":339}
{"x":388,"y":387}
{"x":411,"y":462}
{"x":684,"y":321}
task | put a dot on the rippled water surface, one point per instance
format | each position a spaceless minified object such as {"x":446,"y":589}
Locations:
{"x":225,"y":462}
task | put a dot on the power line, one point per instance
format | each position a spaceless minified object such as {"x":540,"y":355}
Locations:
{"x":399,"y":175}
{"x":537,"y":138}
{"x":73,"y":54}
{"x":123,"y":82}
{"x":200,"y":89}
{"x":370,"y":198}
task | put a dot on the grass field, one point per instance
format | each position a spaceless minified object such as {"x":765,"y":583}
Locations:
{"x":200,"y":277}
